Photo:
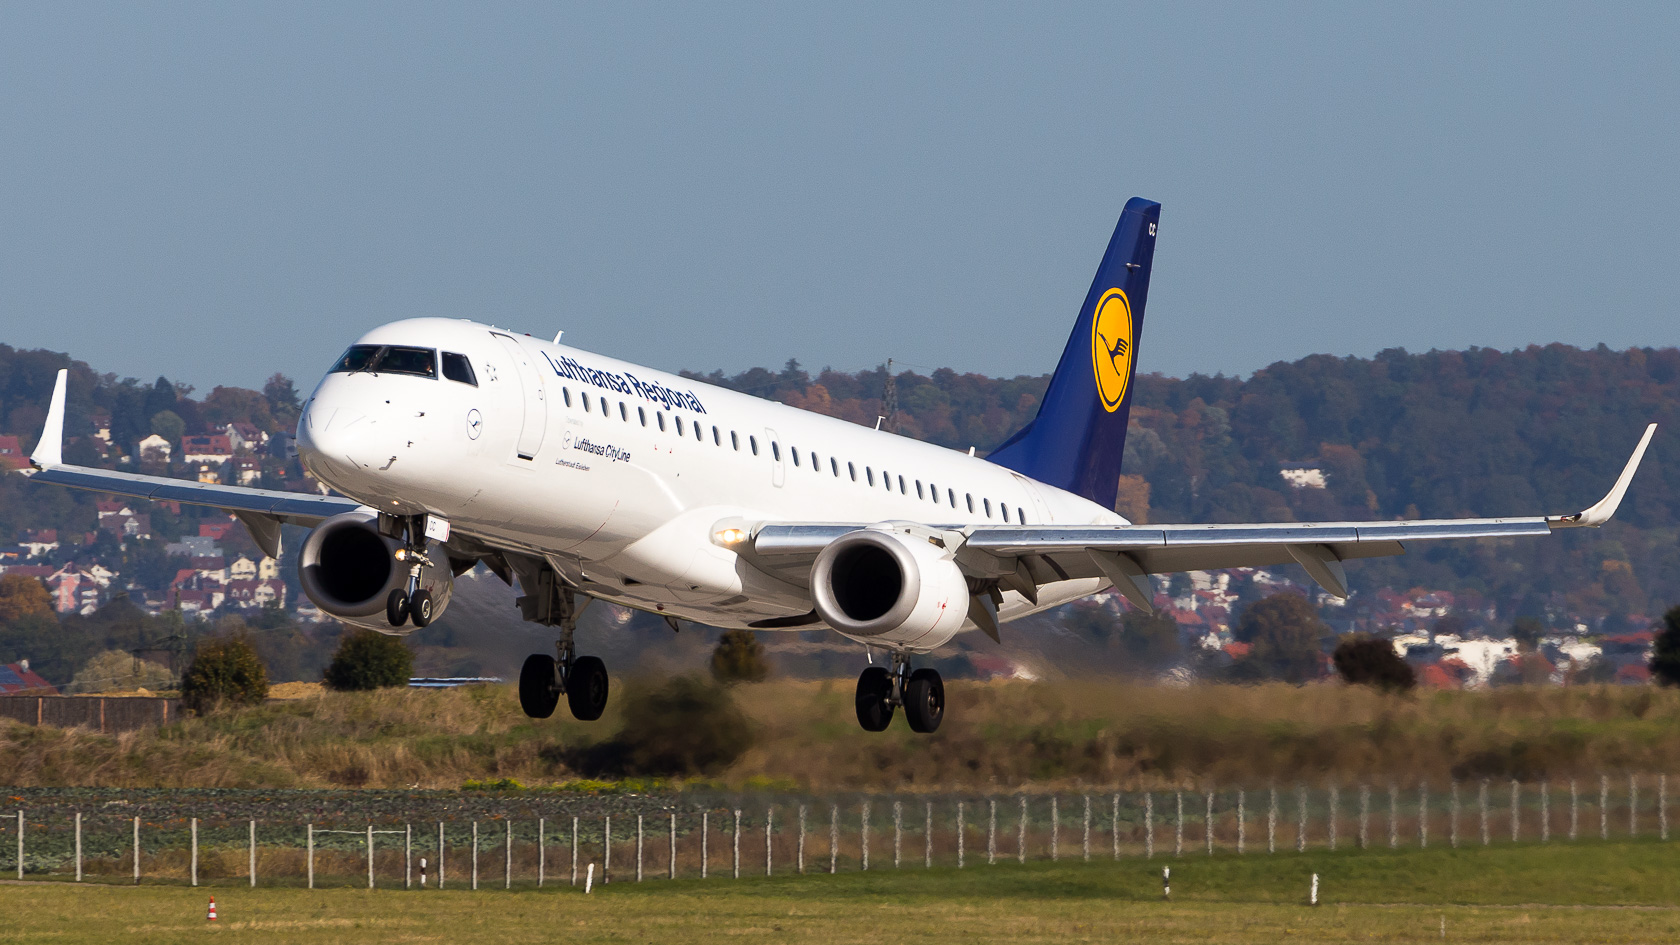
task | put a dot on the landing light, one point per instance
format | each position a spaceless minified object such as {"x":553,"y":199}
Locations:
{"x":731,"y":536}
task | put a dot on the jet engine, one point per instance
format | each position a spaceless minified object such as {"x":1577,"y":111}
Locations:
{"x":348,"y":568}
{"x":890,"y":588}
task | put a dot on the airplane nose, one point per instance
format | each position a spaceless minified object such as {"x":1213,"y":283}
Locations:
{"x":328,"y":440}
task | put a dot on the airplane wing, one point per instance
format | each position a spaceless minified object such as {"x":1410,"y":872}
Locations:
{"x":1023,"y":557}
{"x":261,"y":510}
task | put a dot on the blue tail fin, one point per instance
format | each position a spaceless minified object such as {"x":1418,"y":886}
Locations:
{"x":1079,"y":436}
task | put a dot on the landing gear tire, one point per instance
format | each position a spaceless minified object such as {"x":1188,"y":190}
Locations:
{"x":874,"y":699}
{"x":586,"y":688}
{"x":420,"y":608}
{"x":924,"y":701}
{"x":396,"y":608}
{"x":537,"y":693}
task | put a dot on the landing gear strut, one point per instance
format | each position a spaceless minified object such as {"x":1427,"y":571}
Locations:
{"x":410,"y":602}
{"x":543,"y":678}
{"x":881,"y":691}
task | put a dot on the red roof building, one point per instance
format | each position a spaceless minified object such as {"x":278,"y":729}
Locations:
{"x":17,"y":679}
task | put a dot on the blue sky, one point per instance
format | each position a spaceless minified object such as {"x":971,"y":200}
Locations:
{"x":215,"y":192}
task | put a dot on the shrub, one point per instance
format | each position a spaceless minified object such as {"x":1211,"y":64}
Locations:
{"x":1665,"y":651}
{"x":686,"y":727}
{"x":224,"y":670}
{"x":1371,"y":661}
{"x":22,"y":596}
{"x":1284,"y":631}
{"x":739,"y":657}
{"x":367,"y":659}
{"x":118,"y":671}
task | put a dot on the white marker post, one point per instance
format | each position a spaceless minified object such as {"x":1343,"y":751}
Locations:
{"x":1314,"y":899}
{"x":589,"y":880}
{"x":1166,"y":882}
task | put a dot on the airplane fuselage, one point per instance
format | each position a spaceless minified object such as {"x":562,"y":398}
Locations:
{"x":623,"y":476}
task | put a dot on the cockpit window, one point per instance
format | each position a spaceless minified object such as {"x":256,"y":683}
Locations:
{"x":388,"y":359}
{"x":456,"y":367}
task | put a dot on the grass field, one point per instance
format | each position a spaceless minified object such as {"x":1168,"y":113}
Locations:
{"x":1049,"y":735}
{"x":1615,"y":892}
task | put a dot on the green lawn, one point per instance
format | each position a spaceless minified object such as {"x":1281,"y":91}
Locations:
{"x":1590,"y":892}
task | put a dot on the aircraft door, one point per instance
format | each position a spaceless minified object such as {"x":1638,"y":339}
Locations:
{"x":536,"y":404}
{"x":1041,"y":509}
{"x":778,"y":471}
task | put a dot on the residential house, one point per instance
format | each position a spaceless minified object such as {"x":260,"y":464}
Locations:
{"x":121,"y":520}
{"x":1306,"y":475}
{"x":194,"y":546}
{"x":155,"y":449}
{"x":254,"y":595}
{"x":78,"y":590}
{"x":11,"y":454}
{"x":246,"y":471}
{"x":245,"y":437}
{"x":40,"y":542}
{"x":206,"y":448}
{"x":17,"y":679}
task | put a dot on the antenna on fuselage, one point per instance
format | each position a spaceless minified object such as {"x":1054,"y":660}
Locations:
{"x":558,"y":334}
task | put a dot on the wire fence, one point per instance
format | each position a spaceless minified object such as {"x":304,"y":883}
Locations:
{"x":710,"y":838}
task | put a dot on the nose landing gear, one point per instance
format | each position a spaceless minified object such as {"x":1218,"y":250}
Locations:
{"x":881,"y":691}
{"x":410,"y":602}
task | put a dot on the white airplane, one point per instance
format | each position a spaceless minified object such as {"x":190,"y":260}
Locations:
{"x":588,"y":478}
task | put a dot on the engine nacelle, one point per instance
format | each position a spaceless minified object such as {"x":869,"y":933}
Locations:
{"x":348,"y":569}
{"x":890,"y":588}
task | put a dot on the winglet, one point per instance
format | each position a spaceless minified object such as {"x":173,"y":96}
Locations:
{"x":50,"y":451}
{"x":1600,"y":513}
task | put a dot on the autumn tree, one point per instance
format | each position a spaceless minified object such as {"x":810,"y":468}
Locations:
{"x":1283,"y":632}
{"x":22,"y":596}
{"x":224,"y":671}
{"x":1371,"y":661}
{"x":1665,"y":652}
{"x":739,"y":657}
{"x":368,"y":659}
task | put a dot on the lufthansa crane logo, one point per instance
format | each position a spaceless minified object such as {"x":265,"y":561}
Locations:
{"x":1111,"y":347}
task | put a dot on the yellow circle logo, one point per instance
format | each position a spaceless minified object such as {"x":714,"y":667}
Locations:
{"x":1111,"y":347}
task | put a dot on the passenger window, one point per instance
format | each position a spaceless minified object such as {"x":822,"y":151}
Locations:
{"x":1005,"y":510}
{"x":717,"y":438}
{"x":901,"y":489}
{"x":834,"y":464}
{"x":734,"y":441}
{"x":566,"y":393}
{"x":641,"y":413}
{"x":919,"y":489}
{"x":456,"y":367}
{"x":699,"y":434}
{"x":869,"y":474}
{"x":623,"y":412}
{"x":795,"y":451}
{"x":752,"y":441}
{"x":680,"y":430}
{"x":776,"y":450}
{"x":657,"y":415}
{"x":1020,"y":516}
{"x":952,"y":493}
{"x":886,"y":480}
{"x":586,"y":406}
{"x":853,"y":470}
{"x":970,"y":497}
{"x":988,"y":507}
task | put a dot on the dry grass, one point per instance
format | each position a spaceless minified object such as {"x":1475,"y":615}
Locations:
{"x":996,"y":735}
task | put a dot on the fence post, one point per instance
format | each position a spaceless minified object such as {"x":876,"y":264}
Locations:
{"x":309,"y":855}
{"x":1545,"y":811}
{"x":20,"y":846}
{"x":1482,"y":808}
{"x":1055,"y":829}
{"x":769,"y":820}
{"x":1242,"y":826}
{"x":254,"y":853}
{"x":79,"y":844}
{"x":736,"y":857}
{"x":1393,"y":816}
{"x":833,"y":838}
{"x":1021,"y":833}
{"x":1149,"y":825}
{"x":1603,"y":807}
{"x":927,"y":836}
{"x":369,"y":855}
{"x":408,"y":856}
{"x":475,"y":855}
{"x":801,"y":839}
{"x":992,"y":831}
{"x":1335,"y":798}
{"x":1301,"y":813}
{"x":898,"y":832}
{"x":440,"y":852}
{"x":542,"y":852}
{"x":671,"y":863}
{"x":960,"y":849}
{"x":1633,"y":806}
{"x":1516,"y":816}
{"x":863,"y":836}
{"x":1662,"y":806}
{"x":574,"y":856}
{"x":1085,"y":843}
{"x":507,"y":851}
{"x":705,"y":839}
{"x":1113,"y":822}
{"x":1271,"y":821}
{"x":1364,"y":815}
{"x":1452,"y":818}
{"x":606,"y":847}
{"x":1207,"y":824}
{"x":1423,"y":814}
{"x":136,"y":849}
{"x":1574,"y":811}
{"x":194,"y":868}
{"x":638,"y":848}
{"x":1178,"y":826}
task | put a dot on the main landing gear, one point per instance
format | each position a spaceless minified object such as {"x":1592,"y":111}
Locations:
{"x":582,"y":679}
{"x":881,"y":691}
{"x":410,"y":601}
